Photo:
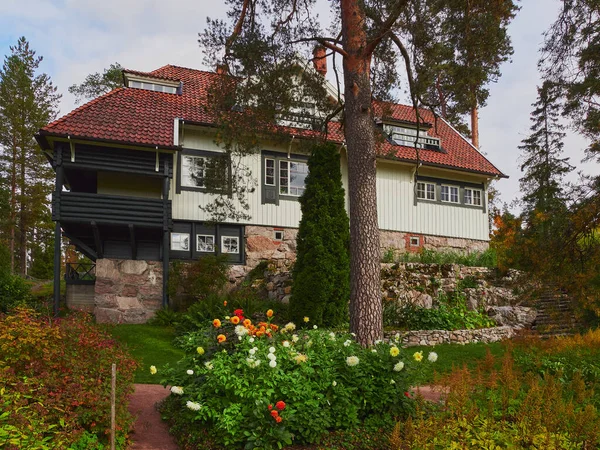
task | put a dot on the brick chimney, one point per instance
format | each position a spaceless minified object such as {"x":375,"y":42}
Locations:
{"x":320,"y":60}
{"x":222,"y":68}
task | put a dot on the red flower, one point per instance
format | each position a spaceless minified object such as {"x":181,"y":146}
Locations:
{"x":407,"y":394}
{"x":278,"y":419}
{"x":274,"y":413}
{"x":280,"y":405}
{"x":239,"y":313}
{"x":270,"y":407}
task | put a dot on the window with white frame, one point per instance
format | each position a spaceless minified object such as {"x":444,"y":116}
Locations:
{"x":205,"y":243}
{"x":473,"y":197}
{"x":425,"y":191}
{"x":449,"y":193}
{"x":292,"y":176}
{"x":156,"y":87}
{"x":204,"y":172}
{"x":180,"y":241}
{"x":230,"y":244}
{"x":269,"y":172}
{"x":300,"y":115}
{"x":402,"y":135}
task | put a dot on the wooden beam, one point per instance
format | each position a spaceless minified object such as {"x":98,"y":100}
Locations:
{"x":84,"y":248}
{"x":166,"y":246}
{"x":57,"y":234}
{"x":132,"y":241}
{"x":97,"y":240}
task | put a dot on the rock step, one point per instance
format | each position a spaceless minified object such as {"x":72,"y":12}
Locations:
{"x":555,"y":315}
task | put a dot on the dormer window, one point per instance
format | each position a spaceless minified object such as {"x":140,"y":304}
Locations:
{"x":301,"y":115}
{"x":156,"y":87}
{"x":406,"y":136}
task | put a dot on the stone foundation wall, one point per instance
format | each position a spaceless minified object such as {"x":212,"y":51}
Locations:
{"x":262,"y":246}
{"x":436,"y":337}
{"x":127,"y":291}
{"x":399,"y":242}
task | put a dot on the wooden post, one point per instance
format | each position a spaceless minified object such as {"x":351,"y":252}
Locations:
{"x":57,"y":233}
{"x":113,"y":388}
{"x":166,"y":246}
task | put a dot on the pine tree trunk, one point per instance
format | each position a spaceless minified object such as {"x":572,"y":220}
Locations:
{"x":475,"y":127}
{"x":365,"y":291}
{"x":23,"y":214}
{"x":13,"y":204}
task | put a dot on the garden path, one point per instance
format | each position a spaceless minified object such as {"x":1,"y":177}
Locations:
{"x":149,"y":431}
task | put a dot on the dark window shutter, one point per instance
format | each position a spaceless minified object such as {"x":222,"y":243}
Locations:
{"x":269,"y":193}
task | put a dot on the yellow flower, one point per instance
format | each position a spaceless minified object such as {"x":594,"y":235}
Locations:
{"x":152,"y":370}
{"x":306,"y":319}
{"x":200,"y":350}
{"x":235,"y":320}
{"x":221,"y":338}
{"x":270,"y":313}
{"x":418,"y":356}
{"x":300,"y":358}
{"x":216,"y":323}
{"x":394,"y":351}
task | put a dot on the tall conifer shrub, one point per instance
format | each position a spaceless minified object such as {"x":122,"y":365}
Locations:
{"x":321,"y":276}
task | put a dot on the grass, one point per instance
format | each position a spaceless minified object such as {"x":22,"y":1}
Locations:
{"x":455,"y":355}
{"x":151,"y":345}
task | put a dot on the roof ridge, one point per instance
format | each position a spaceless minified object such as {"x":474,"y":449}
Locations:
{"x":185,"y":68}
{"x":83,"y":107}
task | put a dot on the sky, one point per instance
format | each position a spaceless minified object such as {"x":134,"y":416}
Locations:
{"x":79,"y":37}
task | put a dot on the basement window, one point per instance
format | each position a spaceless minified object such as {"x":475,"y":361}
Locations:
{"x":180,"y":241}
{"x":205,"y":243}
{"x":230,"y":244}
{"x":415,"y":241}
{"x":279,"y":235}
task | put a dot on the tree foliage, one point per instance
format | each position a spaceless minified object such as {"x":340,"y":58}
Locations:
{"x":28,"y":101}
{"x":259,"y":45}
{"x":321,"y":276}
{"x":571,"y":59}
{"x":97,"y":84}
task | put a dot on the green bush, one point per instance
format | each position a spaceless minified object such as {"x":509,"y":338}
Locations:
{"x":225,"y":393}
{"x":321,"y":275}
{"x":197,"y":280}
{"x":450,"y":313}
{"x":14,"y":290}
{"x":486,"y":258}
{"x":55,"y":378}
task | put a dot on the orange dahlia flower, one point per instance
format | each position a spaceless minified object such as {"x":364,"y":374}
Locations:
{"x":235,"y":320}
{"x":270,"y":313}
{"x":247,"y":323}
{"x":216,"y":323}
{"x":221,"y":338}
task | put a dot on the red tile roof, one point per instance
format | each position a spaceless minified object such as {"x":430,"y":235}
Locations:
{"x":143,"y":117}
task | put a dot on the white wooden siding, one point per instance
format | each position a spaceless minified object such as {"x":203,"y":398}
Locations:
{"x":395,"y":200}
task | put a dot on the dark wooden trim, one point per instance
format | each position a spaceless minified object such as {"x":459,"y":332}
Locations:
{"x":132,"y":241}
{"x":96,"y":231}
{"x":461,"y":185}
{"x":57,"y":232}
{"x":84,"y":248}
{"x":167,"y":225}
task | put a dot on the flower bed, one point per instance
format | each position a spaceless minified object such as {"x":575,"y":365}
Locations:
{"x":264,"y":386}
{"x":55,"y":380}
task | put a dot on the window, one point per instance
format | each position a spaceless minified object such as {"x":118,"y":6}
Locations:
{"x":402,"y":135}
{"x":292,"y":175}
{"x":449,"y":193}
{"x":278,"y":235}
{"x":300,"y":115}
{"x":157,"y":87}
{"x":205,"y":243}
{"x":473,"y":197}
{"x":425,"y":191}
{"x":230,"y":244}
{"x":204,"y":171}
{"x":180,"y":241}
{"x":269,"y":172}
{"x":415,"y":241}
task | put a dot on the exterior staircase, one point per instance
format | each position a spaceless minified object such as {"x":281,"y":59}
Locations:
{"x":555,"y":314}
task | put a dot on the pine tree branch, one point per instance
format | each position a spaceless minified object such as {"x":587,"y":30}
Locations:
{"x":325,"y":42}
{"x":385,"y":27}
{"x":237,"y":29}
{"x":286,"y":20}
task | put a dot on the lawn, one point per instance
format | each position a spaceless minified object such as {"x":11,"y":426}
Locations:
{"x":151,"y":345}
{"x":455,"y":355}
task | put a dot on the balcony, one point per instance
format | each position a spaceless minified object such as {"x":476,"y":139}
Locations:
{"x":79,"y":207}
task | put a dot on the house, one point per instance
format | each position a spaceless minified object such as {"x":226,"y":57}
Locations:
{"x":130,"y":177}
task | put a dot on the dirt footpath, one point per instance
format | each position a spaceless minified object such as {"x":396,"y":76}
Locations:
{"x":149,"y":432}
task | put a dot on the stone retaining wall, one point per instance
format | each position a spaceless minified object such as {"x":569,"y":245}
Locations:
{"x":127,"y":291}
{"x":436,"y":337}
{"x":399,"y":242}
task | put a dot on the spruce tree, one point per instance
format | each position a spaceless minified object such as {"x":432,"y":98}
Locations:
{"x":321,"y":276}
{"x":97,"y":84}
